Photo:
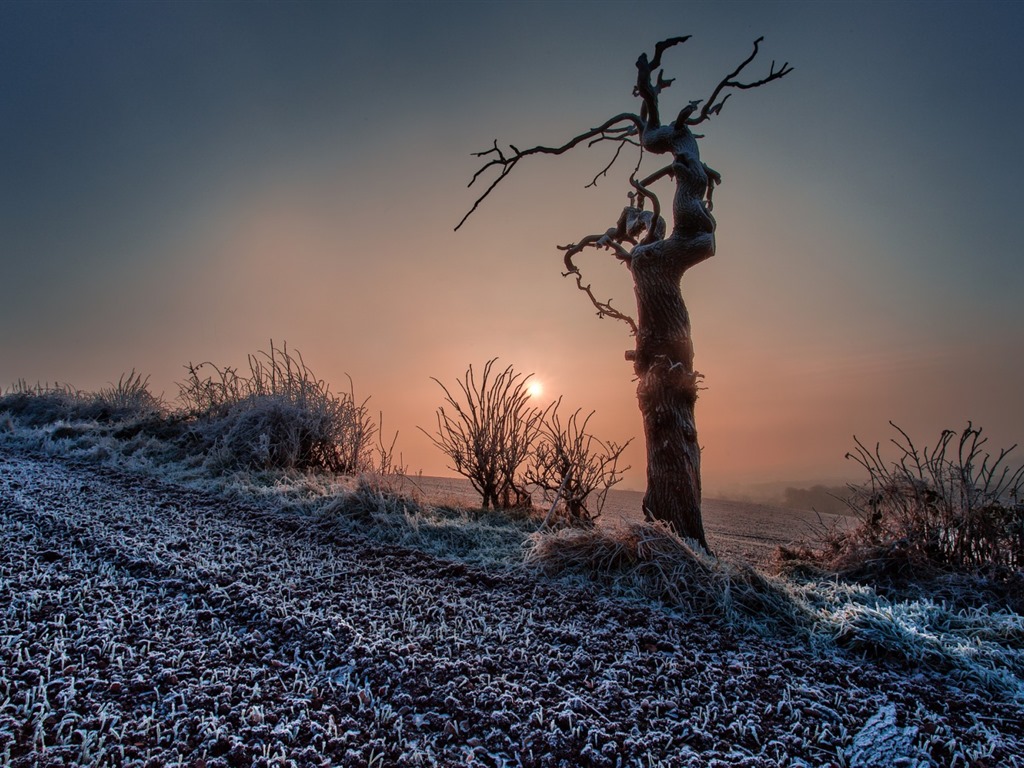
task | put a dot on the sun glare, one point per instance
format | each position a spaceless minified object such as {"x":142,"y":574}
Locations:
{"x":534,"y":389}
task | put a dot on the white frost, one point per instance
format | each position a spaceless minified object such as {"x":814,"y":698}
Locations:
{"x":881,"y":743}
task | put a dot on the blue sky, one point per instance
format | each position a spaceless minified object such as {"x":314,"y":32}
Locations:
{"x":185,"y":181}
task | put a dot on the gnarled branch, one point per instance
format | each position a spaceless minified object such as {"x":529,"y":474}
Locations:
{"x":647,"y":90}
{"x":612,"y":241}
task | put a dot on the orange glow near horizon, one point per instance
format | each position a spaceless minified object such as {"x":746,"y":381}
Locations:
{"x":303,"y":207}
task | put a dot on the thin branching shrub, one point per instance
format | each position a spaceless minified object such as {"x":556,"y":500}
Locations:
{"x":489,"y":433}
{"x":279,"y":416}
{"x":572,"y":467}
{"x":951,"y":508}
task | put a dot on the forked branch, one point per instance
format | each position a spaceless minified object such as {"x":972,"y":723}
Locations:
{"x":713,"y":106}
{"x":647,"y":90}
{"x":618,"y":128}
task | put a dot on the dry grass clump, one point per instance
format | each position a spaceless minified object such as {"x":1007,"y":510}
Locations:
{"x":652,"y":561}
{"x":128,"y":398}
{"x":39,"y":405}
{"x":279,"y":416}
{"x":376,"y":509}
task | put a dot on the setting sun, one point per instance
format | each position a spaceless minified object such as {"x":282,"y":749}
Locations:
{"x":534,"y":389}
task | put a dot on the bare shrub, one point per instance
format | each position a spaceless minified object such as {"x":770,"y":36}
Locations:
{"x":951,"y":508}
{"x":572,"y":467}
{"x":280,"y":416}
{"x":490,"y":434}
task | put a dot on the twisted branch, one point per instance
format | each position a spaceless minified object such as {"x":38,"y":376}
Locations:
{"x":607,"y":240}
{"x":647,"y":90}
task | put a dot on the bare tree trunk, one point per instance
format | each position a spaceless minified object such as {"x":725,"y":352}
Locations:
{"x":667,"y":387}
{"x":663,"y":360}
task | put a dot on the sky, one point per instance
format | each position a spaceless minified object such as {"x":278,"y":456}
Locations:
{"x":183,"y":182}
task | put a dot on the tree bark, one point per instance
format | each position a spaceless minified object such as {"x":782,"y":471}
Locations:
{"x":666,"y":393}
{"x":663,"y":360}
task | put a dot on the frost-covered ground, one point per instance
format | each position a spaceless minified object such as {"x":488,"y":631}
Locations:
{"x":147,"y":624}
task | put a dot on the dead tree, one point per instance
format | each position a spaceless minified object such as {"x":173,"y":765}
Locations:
{"x":656,"y":257}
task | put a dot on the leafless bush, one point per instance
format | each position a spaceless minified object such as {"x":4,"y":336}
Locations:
{"x":573,"y":467}
{"x":490,"y":435}
{"x":279,"y":416}
{"x":951,"y":508}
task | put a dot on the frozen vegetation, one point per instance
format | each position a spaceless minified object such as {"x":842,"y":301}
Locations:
{"x":165,"y":604}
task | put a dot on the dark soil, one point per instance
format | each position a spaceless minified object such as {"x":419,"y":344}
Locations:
{"x":145,"y":624}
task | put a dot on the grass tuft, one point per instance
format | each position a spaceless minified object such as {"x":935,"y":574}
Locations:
{"x":980,"y":646}
{"x":652,"y":561}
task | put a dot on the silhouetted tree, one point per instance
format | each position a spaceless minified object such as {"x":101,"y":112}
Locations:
{"x":656,"y":257}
